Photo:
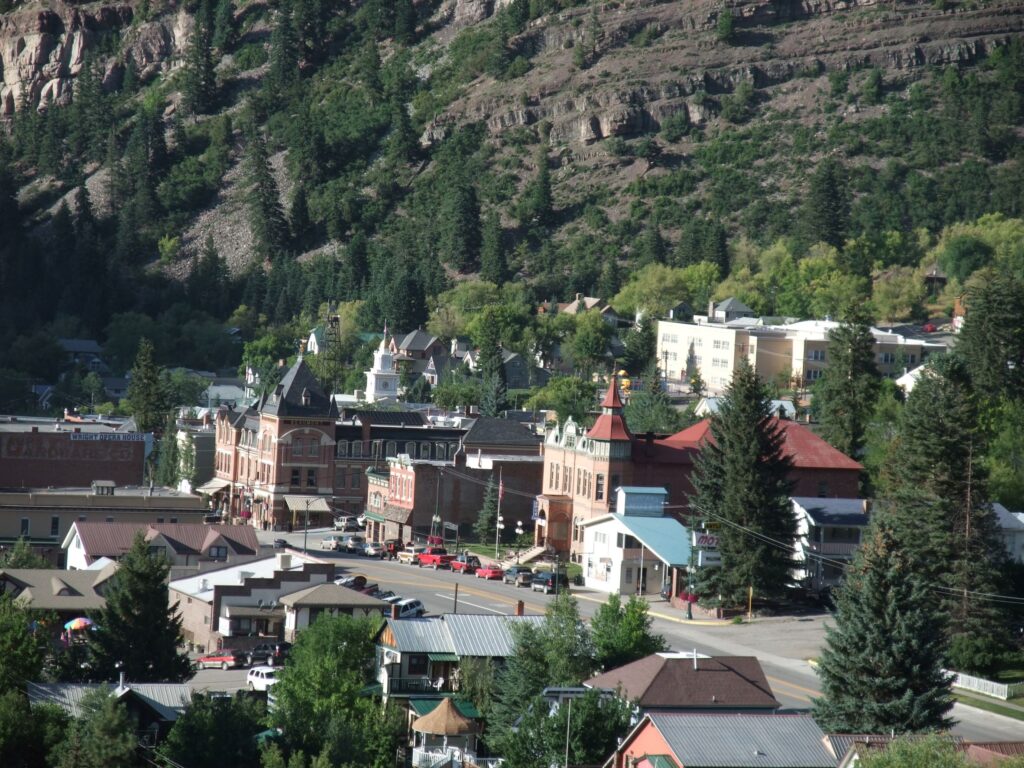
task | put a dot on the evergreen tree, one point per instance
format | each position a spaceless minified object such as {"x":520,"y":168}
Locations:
{"x":939,"y":512}
{"x":650,"y":248}
{"x":299,"y":220}
{"x":284,"y":55}
{"x":487,"y":518}
{"x":169,"y":461}
{"x":493,"y":262}
{"x":209,"y":281}
{"x":740,"y":481}
{"x":649,"y":408}
{"x":103,"y":737}
{"x":147,"y":397}
{"x":535,"y":206}
{"x":137,"y":632}
{"x":881,"y":668}
{"x":846,"y":393}
{"x":405,"y":21}
{"x":21,"y":555}
{"x":610,"y":280}
{"x":402,"y":143}
{"x":225,"y":32}
{"x":354,"y":268}
{"x":992,"y":337}
{"x":826,"y":208}
{"x":460,"y":226}
{"x":216,"y":733}
{"x":493,"y":400}
{"x":199,"y":87}
{"x":24,"y":648}
{"x":622,"y":633}
{"x":266,"y":215}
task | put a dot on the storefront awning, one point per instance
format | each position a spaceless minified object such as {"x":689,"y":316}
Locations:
{"x":302,"y":503}
{"x":213,"y":486}
{"x":377,"y":516}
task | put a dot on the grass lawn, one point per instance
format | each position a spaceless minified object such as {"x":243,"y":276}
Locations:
{"x":989,"y":705}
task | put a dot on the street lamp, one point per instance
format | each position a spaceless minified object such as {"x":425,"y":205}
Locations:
{"x":305,"y":528}
{"x":497,"y":534}
{"x":519,"y":532}
{"x":435,"y":524}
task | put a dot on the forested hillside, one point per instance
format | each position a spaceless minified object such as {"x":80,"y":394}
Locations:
{"x":170,"y":171}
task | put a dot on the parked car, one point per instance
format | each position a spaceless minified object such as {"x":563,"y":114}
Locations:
{"x":331,"y":542}
{"x":353,"y":544}
{"x":548,"y":582}
{"x":520,"y":575}
{"x":261,"y":678}
{"x":383,"y":594}
{"x":410,"y":608}
{"x":271,"y":654}
{"x":392,"y":547}
{"x":492,"y":571}
{"x":353,"y":581}
{"x":929,"y":328}
{"x":393,"y":599}
{"x":435,"y":557}
{"x":346,"y":523}
{"x":465,"y":563}
{"x":225,"y":658}
{"x":374,"y":549}
{"x":410,"y":555}
{"x":280,"y":543}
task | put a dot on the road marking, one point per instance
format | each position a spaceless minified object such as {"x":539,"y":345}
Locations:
{"x":466,"y":602}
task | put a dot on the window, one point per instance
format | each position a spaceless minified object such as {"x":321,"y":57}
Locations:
{"x":24,"y":526}
{"x":339,"y":478}
{"x":357,"y":449}
{"x":314,"y":446}
{"x":599,"y":491}
{"x":159,"y":520}
{"x":297,"y":448}
{"x":628,"y":579}
{"x":424,"y":450}
{"x":55,"y":526}
{"x":354,"y":485}
{"x":342,"y":450}
{"x":417,"y":664}
{"x":311,"y":478}
{"x":600,"y":538}
{"x":887,"y":358}
{"x":155,"y":551}
{"x":615,"y":484}
{"x":392,"y":448}
{"x":822,"y":490}
{"x":82,"y":518}
{"x":565,"y":479}
{"x":625,"y":541}
{"x":296,"y":478}
{"x":219,"y":553}
{"x":173,"y":520}
{"x":816,"y":354}
{"x":812,"y":375}
{"x":244,"y":626}
{"x":111,"y":519}
{"x":439,"y":451}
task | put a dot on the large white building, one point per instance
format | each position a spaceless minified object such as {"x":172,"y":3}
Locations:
{"x":791,"y":350}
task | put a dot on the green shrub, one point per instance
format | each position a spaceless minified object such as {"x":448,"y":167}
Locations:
{"x":251,"y":55}
{"x":725,"y":28}
{"x":674,"y":127}
{"x":838,"y":82}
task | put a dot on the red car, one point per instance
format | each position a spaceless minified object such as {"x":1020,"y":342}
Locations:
{"x":492,"y":571}
{"x":465,"y":563}
{"x":436,"y":557}
{"x":225,"y":658}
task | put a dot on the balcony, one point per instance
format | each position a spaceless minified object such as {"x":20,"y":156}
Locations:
{"x":436,"y":757}
{"x":847,"y":548}
{"x":413,"y":685}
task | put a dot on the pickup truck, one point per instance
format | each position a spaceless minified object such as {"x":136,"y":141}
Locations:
{"x":465,"y":563}
{"x":437,"y":557}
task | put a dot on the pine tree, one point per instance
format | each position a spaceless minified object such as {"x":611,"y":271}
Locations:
{"x":147,"y":396}
{"x":493,"y":400}
{"x":402,"y":143}
{"x":266,"y":215}
{"x":535,"y":206}
{"x":992,"y":337}
{"x":487,"y":518}
{"x":199,"y":88}
{"x":740,"y":478}
{"x":299,"y":220}
{"x":460,"y":232}
{"x":493,"y":262}
{"x":939,"y":512}
{"x":610,"y":280}
{"x":284,"y":55}
{"x":650,"y":248}
{"x":138,"y":632}
{"x":169,"y":460}
{"x":826,"y":208}
{"x":846,"y":393}
{"x":405,"y":21}
{"x":881,"y":668}
{"x":225,"y":32}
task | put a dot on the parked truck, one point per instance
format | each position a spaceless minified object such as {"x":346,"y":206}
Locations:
{"x":465,"y":563}
{"x":436,"y":557}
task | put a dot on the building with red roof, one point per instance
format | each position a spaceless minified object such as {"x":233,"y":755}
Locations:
{"x":582,"y":469}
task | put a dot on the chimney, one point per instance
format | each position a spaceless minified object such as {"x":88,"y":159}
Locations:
{"x":394,"y":611}
{"x":120,"y":680}
{"x":579,"y":297}
{"x":520,"y":609}
{"x":711,"y":310}
{"x":694,"y":658}
{"x":284,"y":561}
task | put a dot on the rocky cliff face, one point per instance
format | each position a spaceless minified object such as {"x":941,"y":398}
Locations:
{"x":42,"y":49}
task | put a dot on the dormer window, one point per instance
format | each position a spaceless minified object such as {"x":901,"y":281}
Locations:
{"x":219,"y":553}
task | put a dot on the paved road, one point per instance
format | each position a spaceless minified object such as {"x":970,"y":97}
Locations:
{"x":782,"y":645}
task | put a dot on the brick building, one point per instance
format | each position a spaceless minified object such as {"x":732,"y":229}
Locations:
{"x":41,"y":453}
{"x":582,"y":469}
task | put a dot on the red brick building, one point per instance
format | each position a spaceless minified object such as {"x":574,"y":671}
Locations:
{"x":583,"y":469}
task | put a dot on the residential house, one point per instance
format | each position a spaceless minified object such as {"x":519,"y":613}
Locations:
{"x":689,"y":682}
{"x":708,"y":406}
{"x":783,"y":352}
{"x":154,"y":707}
{"x":829,"y":532}
{"x":84,"y":352}
{"x":68,"y":594}
{"x":744,"y":740}
{"x":1011,"y":526}
{"x":240,"y":606}
{"x":304,"y":607}
{"x":189,"y":547}
{"x":518,"y":372}
{"x":419,"y":658}
{"x":638,"y":549}
{"x":583,"y":467}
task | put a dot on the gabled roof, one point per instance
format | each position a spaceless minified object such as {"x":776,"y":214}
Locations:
{"x":742,"y":740}
{"x":167,"y":700}
{"x":667,"y":681}
{"x":115,"y":539}
{"x":331,"y":595}
{"x":298,"y":394}
{"x":665,"y":537}
{"x":59,"y":590}
{"x":416,"y":341}
{"x":732,"y":304}
{"x":491,"y":431}
{"x":806,"y":449}
{"x":463,"y":634}
{"x":81,"y":346}
{"x":845,"y":512}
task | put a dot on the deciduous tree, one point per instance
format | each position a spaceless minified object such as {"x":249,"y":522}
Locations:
{"x":622,"y":633}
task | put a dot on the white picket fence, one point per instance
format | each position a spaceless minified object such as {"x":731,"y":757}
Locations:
{"x":991,"y":688}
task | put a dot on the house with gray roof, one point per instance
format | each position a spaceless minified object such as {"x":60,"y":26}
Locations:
{"x":304,"y":607}
{"x":829,"y":533}
{"x":421,"y":657}
{"x":69,"y":594}
{"x":687,"y":740}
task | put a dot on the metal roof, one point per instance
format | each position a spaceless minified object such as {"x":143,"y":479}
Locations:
{"x":487,"y":635}
{"x":666,"y":538}
{"x":424,"y":635}
{"x":738,"y":741}
{"x":845,"y":512}
{"x":168,"y":699}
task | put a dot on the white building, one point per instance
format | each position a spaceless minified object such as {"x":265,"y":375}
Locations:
{"x":829,"y":532}
{"x":303,"y":608}
{"x":382,"y":378}
{"x":1011,"y":526}
{"x":634,"y":550}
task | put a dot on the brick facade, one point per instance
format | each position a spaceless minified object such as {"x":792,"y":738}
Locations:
{"x":41,"y":457}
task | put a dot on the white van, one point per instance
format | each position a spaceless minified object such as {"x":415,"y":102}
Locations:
{"x":261,"y":678}
{"x":410,"y":608}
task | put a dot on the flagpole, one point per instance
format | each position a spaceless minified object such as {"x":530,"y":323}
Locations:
{"x":497,"y":523}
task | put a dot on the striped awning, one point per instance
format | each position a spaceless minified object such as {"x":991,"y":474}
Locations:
{"x":213,"y":486}
{"x":299,"y":503}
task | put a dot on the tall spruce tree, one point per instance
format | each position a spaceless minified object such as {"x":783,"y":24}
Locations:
{"x":992,"y":338}
{"x":225,"y":32}
{"x":846,"y":393}
{"x":881,"y":668}
{"x":138,"y":632}
{"x":284,"y":55}
{"x":147,"y":395}
{"x":826,"y":207}
{"x":740,"y":481}
{"x":937,"y":505}
{"x":493,"y":262}
{"x":266,"y":214}
{"x":460,"y":225}
{"x":199,"y":89}
{"x":487,"y":518}
{"x":168,"y":465}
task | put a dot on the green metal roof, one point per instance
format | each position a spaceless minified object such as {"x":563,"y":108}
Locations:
{"x":661,"y":761}
{"x":375,"y":516}
{"x":425,"y":706}
{"x":442,"y":657}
